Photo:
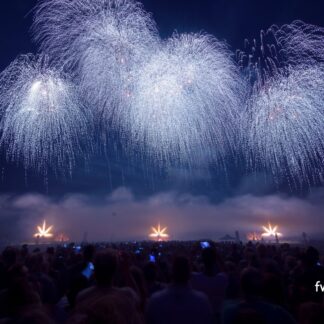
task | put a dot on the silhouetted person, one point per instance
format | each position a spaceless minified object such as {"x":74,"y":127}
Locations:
{"x":78,"y":281}
{"x":252,"y":309}
{"x":150,"y":275}
{"x":104,"y":303}
{"x":179,"y":303}
{"x":211,"y":281}
{"x":308,"y":273}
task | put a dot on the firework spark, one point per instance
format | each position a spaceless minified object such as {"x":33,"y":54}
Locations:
{"x":270,"y":231}
{"x":42,"y":119}
{"x":44,"y":232}
{"x":300,"y":43}
{"x":158,"y":233}
{"x":253,"y":236}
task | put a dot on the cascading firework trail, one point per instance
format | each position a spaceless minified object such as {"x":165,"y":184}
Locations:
{"x":175,"y":99}
{"x":289,"y":45}
{"x":101,"y":42}
{"x":284,"y":120}
{"x":285,"y":128}
{"x":42,"y":121}
{"x":299,"y":43}
{"x":186,"y":100}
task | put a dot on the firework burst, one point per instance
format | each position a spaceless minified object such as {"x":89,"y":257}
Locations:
{"x":42,"y":121}
{"x":101,"y":42}
{"x":283,"y":123}
{"x":44,"y":231}
{"x":159,"y":233}
{"x":186,"y":100}
{"x":270,"y":231}
{"x":299,"y":43}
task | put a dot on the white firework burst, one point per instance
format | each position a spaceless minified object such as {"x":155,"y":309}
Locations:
{"x":285,"y":124}
{"x":186,"y":100}
{"x":101,"y":41}
{"x":42,"y":119}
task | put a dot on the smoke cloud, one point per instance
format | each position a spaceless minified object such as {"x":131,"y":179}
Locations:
{"x":122,"y":216}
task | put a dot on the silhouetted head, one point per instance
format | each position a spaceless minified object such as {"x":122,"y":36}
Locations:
{"x":9,"y":256}
{"x":88,"y":252}
{"x":35,"y":262}
{"x":209,"y":259}
{"x":181,"y":270}
{"x":105,"y":265}
{"x":251,"y":282}
{"x":311,"y":256}
{"x":150,"y":272}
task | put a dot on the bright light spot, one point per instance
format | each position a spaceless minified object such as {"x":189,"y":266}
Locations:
{"x":158,"y":233}
{"x":270,"y":231}
{"x":35,"y":86}
{"x":44,"y":232}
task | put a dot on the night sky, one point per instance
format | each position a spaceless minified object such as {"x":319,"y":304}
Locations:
{"x":114,"y":181}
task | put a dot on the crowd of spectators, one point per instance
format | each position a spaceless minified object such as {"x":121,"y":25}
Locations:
{"x":161,"y":283}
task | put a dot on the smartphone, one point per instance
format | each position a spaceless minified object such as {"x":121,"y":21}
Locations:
{"x":152,"y":258}
{"x":204,"y":244}
{"x":88,"y":271}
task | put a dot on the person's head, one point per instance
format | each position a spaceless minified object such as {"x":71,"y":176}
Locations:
{"x":248,"y":315}
{"x":9,"y":256}
{"x":105,"y":265}
{"x":88,"y":252}
{"x":17,"y":272}
{"x":310,"y":312}
{"x":209,"y":259}
{"x":181,"y":270}
{"x":35,"y":262}
{"x":150,"y":272}
{"x":20,"y":295}
{"x":251,"y":282}
{"x":311,"y":256}
{"x":34,"y":316}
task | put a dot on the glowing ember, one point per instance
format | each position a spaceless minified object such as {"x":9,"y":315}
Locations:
{"x":62,"y":237}
{"x":270,"y":231}
{"x":43,"y":231}
{"x":253,"y":236}
{"x":158,"y":233}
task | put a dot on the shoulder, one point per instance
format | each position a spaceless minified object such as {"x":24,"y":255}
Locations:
{"x":85,"y":294}
{"x":199,"y":296}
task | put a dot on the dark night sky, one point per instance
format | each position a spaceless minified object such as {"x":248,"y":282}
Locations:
{"x":230,"y":20}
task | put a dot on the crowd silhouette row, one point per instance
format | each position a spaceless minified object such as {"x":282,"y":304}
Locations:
{"x":161,"y":283}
